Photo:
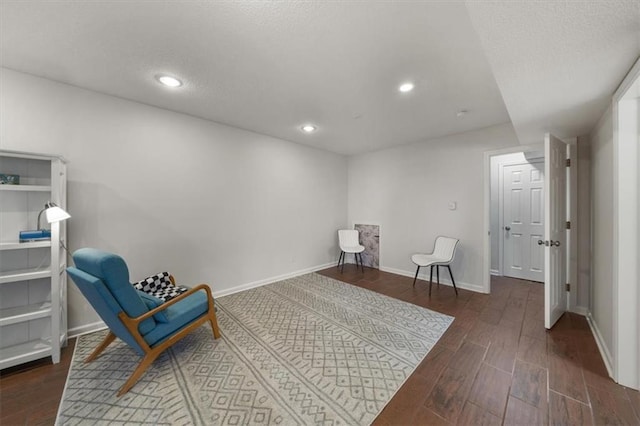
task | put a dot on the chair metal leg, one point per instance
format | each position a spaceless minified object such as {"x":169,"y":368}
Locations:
{"x":438,"y":274}
{"x":430,"y":278}
{"x":343,"y":259}
{"x":452,"y":280}
{"x":416,"y":277}
{"x":361,"y":262}
{"x":340,"y":258}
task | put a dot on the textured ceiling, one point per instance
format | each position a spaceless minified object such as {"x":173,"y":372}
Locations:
{"x":558,"y":63}
{"x":270,"y":67}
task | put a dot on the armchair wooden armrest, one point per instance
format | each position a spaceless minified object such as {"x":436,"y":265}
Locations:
{"x":176,"y":299}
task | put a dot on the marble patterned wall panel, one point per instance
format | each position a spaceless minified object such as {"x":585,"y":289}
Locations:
{"x":370,"y":239}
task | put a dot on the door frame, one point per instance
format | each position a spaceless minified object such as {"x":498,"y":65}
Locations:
{"x":501,"y":166}
{"x":572,"y":264}
{"x":626,"y":242}
{"x":486,"y":274}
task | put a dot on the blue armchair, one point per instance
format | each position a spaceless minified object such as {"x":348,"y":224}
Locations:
{"x":147,"y":325}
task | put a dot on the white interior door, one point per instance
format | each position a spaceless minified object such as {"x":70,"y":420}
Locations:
{"x":555,"y":216}
{"x":523,"y":219}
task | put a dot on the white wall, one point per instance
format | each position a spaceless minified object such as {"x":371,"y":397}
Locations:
{"x":627,"y":245}
{"x":167,"y":191}
{"x":602,"y":215}
{"x":407,"y":190}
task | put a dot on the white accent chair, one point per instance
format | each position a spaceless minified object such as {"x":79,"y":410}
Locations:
{"x":443,"y":252}
{"x":349,"y":242}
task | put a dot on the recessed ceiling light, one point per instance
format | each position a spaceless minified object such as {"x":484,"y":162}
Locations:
{"x":309,"y":128}
{"x":168,"y":81}
{"x":406,"y":87}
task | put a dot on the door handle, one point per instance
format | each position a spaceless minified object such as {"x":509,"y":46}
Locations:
{"x":507,"y":228}
{"x":555,"y":243}
{"x":543,"y":243}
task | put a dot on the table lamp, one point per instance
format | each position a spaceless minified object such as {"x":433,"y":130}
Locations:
{"x":53,"y":214}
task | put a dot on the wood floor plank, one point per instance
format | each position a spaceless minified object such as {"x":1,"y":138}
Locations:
{"x":425,"y":416}
{"x":473,"y":415}
{"x":610,"y":409}
{"x":534,"y":327}
{"x":596,"y":375}
{"x":490,"y":389}
{"x":519,"y":413}
{"x":634,"y":397}
{"x":566,"y":378}
{"x":477,"y":302}
{"x":567,"y":411}
{"x":512,"y":317}
{"x":533,"y":351}
{"x":518,"y":301}
{"x":450,"y":393}
{"x":411,"y":395}
{"x":490,"y":315}
{"x":481,"y":333}
{"x":467,"y":358}
{"x":437,"y":359}
{"x":453,"y":337}
{"x":502,"y":350}
{"x":530,"y":384}
{"x":563,"y":345}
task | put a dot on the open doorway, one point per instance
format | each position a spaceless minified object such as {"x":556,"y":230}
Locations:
{"x":558,"y":203}
{"x":496,"y":164}
{"x":517,"y":215}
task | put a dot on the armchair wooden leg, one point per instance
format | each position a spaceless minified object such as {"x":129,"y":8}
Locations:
{"x":213,"y":320}
{"x":101,"y":347}
{"x":142,"y":367}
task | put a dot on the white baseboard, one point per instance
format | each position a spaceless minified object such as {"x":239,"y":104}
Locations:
{"x":495,"y":272}
{"x":425,"y":277}
{"x":100,"y":325}
{"x":604,"y":351}
{"x":86,"y":329}
{"x":266,"y":281}
{"x":580,"y":310}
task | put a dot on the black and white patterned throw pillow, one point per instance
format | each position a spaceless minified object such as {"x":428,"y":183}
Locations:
{"x":160,"y":286}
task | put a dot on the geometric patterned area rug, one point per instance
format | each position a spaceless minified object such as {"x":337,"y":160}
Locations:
{"x":306,"y":350}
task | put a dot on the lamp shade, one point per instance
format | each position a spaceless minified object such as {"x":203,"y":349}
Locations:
{"x":55,"y":213}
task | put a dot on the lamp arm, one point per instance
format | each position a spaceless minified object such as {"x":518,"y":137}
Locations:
{"x":39,"y":216}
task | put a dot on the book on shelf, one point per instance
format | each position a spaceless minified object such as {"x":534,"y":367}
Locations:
{"x":30,"y":236}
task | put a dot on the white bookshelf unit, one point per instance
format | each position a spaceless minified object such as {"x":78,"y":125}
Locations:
{"x":33,"y":282}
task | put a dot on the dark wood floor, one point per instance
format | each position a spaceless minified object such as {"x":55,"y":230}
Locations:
{"x":30,"y":393}
{"x":496,"y":364}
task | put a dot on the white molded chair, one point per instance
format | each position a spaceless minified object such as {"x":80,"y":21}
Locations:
{"x":350,"y":243}
{"x":443,"y":252}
